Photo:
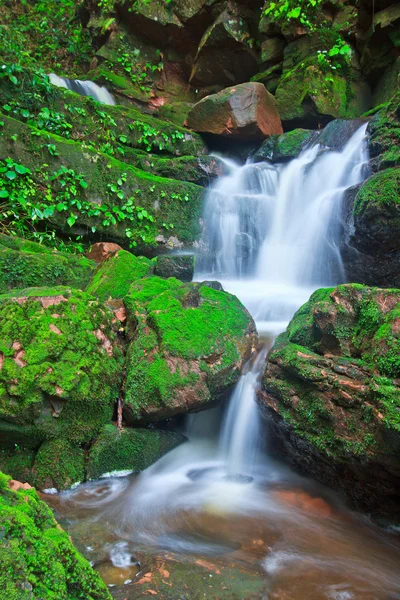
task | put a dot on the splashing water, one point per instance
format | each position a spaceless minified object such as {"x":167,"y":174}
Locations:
{"x":84,"y":88}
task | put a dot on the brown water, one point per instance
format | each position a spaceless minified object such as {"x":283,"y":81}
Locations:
{"x":284,"y":538}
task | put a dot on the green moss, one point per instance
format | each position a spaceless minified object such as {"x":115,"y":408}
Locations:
{"x":167,"y":203}
{"x":115,"y":276}
{"x":58,"y":464}
{"x":31,"y":264}
{"x":17,"y":463}
{"x":37,"y":559}
{"x":381,"y":189}
{"x":130,"y":449}
{"x":334,"y":373}
{"x":59,"y":377}
{"x":286,"y":146}
{"x":178,"y":332}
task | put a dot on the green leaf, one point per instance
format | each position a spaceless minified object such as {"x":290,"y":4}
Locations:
{"x":71,"y":220}
{"x":21,"y":169}
{"x":13,"y":79}
{"x":4,"y":194}
{"x":83,"y":184}
{"x":11,"y":175}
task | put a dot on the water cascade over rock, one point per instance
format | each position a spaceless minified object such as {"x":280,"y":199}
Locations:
{"x":84,"y":88}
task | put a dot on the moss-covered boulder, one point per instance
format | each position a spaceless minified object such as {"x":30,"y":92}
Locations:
{"x":60,"y":365}
{"x":281,"y":148}
{"x":188,"y":345}
{"x":372,"y":250}
{"x":114,"y":277}
{"x":331,"y":391}
{"x":129,"y":449}
{"x":245,"y":110}
{"x":24,"y":263}
{"x":58,"y":465}
{"x":37,"y":558}
{"x":307,"y":97}
{"x":384,"y":135}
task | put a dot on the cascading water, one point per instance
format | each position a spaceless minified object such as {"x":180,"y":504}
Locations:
{"x":271,"y":234}
{"x":84,"y":88}
{"x":271,"y":237}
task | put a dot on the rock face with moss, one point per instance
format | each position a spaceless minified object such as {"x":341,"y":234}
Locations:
{"x":24,"y":263}
{"x":331,"y":393}
{"x":37,"y":558}
{"x":129,"y":449}
{"x":188,"y":345}
{"x":60,"y":365}
{"x":247,"y":110}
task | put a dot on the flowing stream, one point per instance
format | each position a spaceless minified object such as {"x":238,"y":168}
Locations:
{"x":217,"y":518}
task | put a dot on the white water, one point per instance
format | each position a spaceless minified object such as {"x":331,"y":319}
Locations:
{"x":271,"y":235}
{"x":84,"y":88}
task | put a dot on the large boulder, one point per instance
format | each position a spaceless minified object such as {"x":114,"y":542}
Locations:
{"x":371,"y":250}
{"x":38,"y":553}
{"x":188,"y":345}
{"x":384,"y":135}
{"x":180,"y":266}
{"x":247,"y":110}
{"x":60,"y":366}
{"x":331,"y":392}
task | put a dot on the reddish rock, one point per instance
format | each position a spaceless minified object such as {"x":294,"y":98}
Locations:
{"x":17,"y":485}
{"x":247,"y":110}
{"x":101,"y":251}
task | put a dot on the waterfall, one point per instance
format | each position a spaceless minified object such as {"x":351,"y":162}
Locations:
{"x":271,"y":236}
{"x":84,"y":88}
{"x":272,"y":231}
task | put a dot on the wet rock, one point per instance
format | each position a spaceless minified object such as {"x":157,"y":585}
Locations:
{"x":338,"y":132}
{"x":281,"y":148}
{"x":371,"y":249}
{"x":245,"y":110}
{"x":330,"y":391}
{"x":215,"y":285}
{"x":188,"y":345}
{"x":129,"y":449}
{"x":179,"y":266}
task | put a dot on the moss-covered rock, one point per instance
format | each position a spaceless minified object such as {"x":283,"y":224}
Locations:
{"x":188,"y":345}
{"x":384,"y":138}
{"x":114,"y":277}
{"x":37,"y":558}
{"x":372,"y":250}
{"x":308,"y":97}
{"x":60,"y":364}
{"x":284,"y":147}
{"x":332,"y":389}
{"x":58,"y":464}
{"x":129,"y":449}
{"x":110,"y":199}
{"x":24,"y":264}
